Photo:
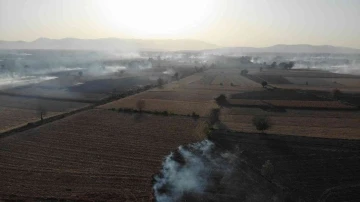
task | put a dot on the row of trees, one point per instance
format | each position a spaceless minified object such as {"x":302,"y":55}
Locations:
{"x":282,"y":65}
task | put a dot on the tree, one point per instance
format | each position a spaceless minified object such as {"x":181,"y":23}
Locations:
{"x":273,"y":65}
{"x":261,"y":123}
{"x":176,"y":76}
{"x":221,"y":99}
{"x":160,"y":82}
{"x":244,"y":72}
{"x":80,"y":73}
{"x":41,"y":110}
{"x":140,"y":105}
{"x":264,"y":83}
{"x":336,"y":93}
{"x":214,"y":116}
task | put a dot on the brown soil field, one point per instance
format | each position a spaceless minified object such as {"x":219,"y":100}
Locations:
{"x":309,"y":104}
{"x":274,"y":79}
{"x":94,"y":155}
{"x":313,"y":82}
{"x":13,"y":117}
{"x":246,"y":102}
{"x":33,"y":104}
{"x":292,"y":112}
{"x":306,"y":73}
{"x":317,"y":88}
{"x":55,"y":93}
{"x":241,"y":81}
{"x":348,"y":82}
{"x":276,"y":94}
{"x":303,"y":121}
{"x":171,"y":106}
{"x":178,"y":95}
{"x":322,"y":132}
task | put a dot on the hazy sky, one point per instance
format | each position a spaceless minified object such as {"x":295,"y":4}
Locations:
{"x":223,"y":22}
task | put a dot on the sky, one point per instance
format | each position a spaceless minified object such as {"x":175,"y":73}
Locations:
{"x":252,"y":23}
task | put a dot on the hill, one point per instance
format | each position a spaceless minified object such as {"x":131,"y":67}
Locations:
{"x":281,"y":48}
{"x":108,"y":44}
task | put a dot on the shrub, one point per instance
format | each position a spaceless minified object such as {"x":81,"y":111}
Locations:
{"x":231,"y":84}
{"x":221,"y":84}
{"x":160,"y":82}
{"x":267,"y":170}
{"x":264,"y":83}
{"x":140,"y":105}
{"x":214,"y":116}
{"x":336,"y":93}
{"x":244,"y":72}
{"x":195,"y":116}
{"x":261,"y":123}
{"x":221,"y":99}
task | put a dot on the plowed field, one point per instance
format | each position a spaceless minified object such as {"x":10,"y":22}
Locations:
{"x":93,"y":155}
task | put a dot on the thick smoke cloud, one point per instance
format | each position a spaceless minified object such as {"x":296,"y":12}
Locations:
{"x":203,"y":172}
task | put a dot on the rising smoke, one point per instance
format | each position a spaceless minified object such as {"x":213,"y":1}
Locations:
{"x":204,"y":172}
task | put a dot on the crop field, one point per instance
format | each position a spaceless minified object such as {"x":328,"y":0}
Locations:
{"x":325,"y":124}
{"x":13,"y":117}
{"x":277,"y":94}
{"x":93,"y":155}
{"x":348,"y":82}
{"x":104,"y":86}
{"x":313,"y":82}
{"x":274,"y":79}
{"x":55,"y":93}
{"x":179,"y":95}
{"x":246,"y":102}
{"x":207,"y":79}
{"x":292,"y":112}
{"x":33,"y":104}
{"x":306,"y":167}
{"x":171,"y":106}
{"x":306,"y":73}
{"x":309,"y":104}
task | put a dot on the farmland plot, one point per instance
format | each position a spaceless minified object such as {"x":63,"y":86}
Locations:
{"x":321,"y":132}
{"x":313,"y":82}
{"x":33,"y":104}
{"x":55,"y":93}
{"x":348,"y":82}
{"x":309,"y":104}
{"x":13,"y":117}
{"x":93,"y":155}
{"x":171,"y":106}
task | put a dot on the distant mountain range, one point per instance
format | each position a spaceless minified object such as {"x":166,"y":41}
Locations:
{"x":108,"y":44}
{"x":302,"y":48}
{"x":165,"y":45}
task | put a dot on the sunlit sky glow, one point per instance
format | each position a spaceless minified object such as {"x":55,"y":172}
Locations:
{"x":256,"y":23}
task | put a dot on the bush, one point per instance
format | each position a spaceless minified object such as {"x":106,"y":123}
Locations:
{"x":221,"y":99}
{"x":267,"y":170}
{"x":221,"y":84}
{"x":231,"y":84}
{"x":336,"y":93}
{"x":160,"y":82}
{"x":214,"y":116}
{"x":195,"y":116}
{"x":264,"y":83}
{"x":244,"y":72}
{"x":261,"y":123}
{"x":140,"y":105}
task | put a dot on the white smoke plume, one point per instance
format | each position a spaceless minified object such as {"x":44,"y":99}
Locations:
{"x":204,"y":172}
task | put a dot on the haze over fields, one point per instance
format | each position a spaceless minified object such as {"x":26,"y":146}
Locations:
{"x":180,"y":100}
